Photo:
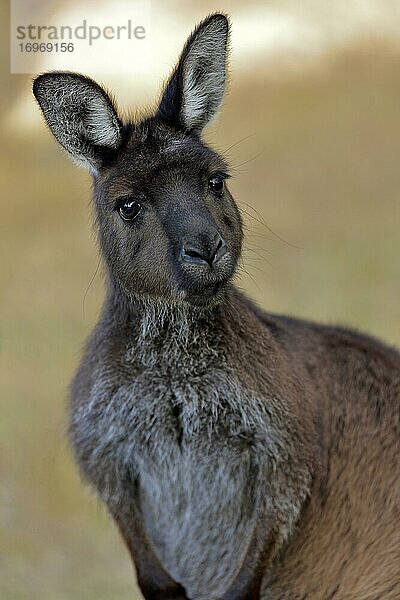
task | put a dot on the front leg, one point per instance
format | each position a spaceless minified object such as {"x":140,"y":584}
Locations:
{"x":153,"y":580}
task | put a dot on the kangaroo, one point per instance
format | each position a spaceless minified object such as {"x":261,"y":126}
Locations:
{"x":241,"y":454}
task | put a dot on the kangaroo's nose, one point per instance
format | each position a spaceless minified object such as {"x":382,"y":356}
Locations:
{"x":204,"y":252}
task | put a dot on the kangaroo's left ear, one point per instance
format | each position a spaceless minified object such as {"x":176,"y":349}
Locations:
{"x":81,"y":116}
{"x":196,"y":87}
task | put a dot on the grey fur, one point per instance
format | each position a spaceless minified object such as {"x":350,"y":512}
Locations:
{"x":214,"y":480}
{"x":241,"y":454}
{"x":80,"y":115}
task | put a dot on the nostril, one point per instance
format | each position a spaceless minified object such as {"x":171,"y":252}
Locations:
{"x":193,"y":255}
{"x":220,"y":250}
{"x":219,"y":245}
{"x":208,"y":253}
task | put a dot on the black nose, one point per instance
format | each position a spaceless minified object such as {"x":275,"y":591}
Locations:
{"x":204,"y":252}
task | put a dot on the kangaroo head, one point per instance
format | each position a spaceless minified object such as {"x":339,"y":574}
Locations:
{"x":168,"y":226}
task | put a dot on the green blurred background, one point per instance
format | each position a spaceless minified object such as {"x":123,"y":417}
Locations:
{"x":312,"y":123}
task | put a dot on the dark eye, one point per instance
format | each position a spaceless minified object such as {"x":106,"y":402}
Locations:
{"x":129,"y":209}
{"x":216,"y":184}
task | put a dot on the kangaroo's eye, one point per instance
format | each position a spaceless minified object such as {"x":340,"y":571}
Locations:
{"x":216,"y":184}
{"x":129,"y":209}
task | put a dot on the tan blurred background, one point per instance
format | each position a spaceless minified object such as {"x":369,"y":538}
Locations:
{"x":312,"y":121}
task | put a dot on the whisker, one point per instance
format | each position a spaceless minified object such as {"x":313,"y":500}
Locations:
{"x":246,"y":272}
{"x":260,"y":219}
{"x":89,"y":285}
{"x":251,"y":159}
{"x":235,"y":144}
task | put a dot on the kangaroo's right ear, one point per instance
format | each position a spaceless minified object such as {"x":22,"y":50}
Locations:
{"x":80,"y":114}
{"x":195,"y":89}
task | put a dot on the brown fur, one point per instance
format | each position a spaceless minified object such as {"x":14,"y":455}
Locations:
{"x":347,"y":544}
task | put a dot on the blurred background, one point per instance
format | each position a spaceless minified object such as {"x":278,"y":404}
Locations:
{"x":311,"y":127}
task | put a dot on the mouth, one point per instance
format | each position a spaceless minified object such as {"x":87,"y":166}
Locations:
{"x":206,"y":296}
{"x":204,"y":289}
{"x":203,"y":284}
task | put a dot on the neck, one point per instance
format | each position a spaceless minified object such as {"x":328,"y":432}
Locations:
{"x":150,"y":318}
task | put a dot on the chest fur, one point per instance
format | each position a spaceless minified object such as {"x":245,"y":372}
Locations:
{"x":188,"y":441}
{"x":171,"y":426}
{"x":159,"y":417}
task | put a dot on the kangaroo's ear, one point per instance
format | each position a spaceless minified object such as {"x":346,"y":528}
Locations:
{"x":80,"y":114}
{"x":196,"y":87}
